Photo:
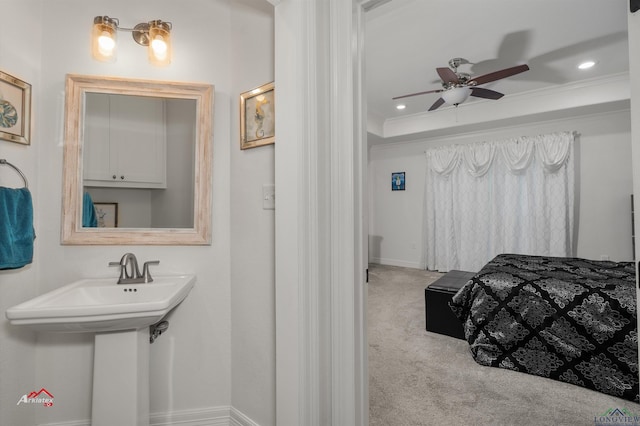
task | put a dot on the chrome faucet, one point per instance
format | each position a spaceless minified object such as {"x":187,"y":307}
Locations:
{"x":129,"y":271}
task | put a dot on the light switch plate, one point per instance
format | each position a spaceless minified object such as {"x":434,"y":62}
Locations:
{"x":268,"y":196}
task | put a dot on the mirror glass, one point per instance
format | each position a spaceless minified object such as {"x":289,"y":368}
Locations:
{"x":137,"y":162}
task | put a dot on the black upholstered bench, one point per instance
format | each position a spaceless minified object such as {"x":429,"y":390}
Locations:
{"x":440,"y":318}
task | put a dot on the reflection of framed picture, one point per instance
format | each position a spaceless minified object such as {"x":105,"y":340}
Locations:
{"x":257,"y":117}
{"x":397,"y":181}
{"x":107,"y":214}
{"x":15,"y":109}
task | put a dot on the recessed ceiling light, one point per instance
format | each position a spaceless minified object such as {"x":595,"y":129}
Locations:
{"x":586,"y":65}
{"x":401,"y":106}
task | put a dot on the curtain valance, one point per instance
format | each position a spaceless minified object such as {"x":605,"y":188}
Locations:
{"x":552,"y":150}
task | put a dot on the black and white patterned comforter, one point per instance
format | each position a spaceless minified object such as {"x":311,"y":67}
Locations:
{"x":567,"y":319}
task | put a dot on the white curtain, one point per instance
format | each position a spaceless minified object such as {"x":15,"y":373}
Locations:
{"x":513,"y":196}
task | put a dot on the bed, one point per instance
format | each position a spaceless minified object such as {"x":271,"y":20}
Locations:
{"x":568,"y":319}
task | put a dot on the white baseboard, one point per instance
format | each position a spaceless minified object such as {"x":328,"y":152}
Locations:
{"x":214,"y":416}
{"x":69,"y":423}
{"x":395,"y":262}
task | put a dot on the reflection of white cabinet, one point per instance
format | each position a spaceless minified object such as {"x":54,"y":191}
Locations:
{"x":124,"y":141}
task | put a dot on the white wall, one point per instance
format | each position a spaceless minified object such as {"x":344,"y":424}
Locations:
{"x":190,"y":363}
{"x":180,"y":168}
{"x":134,"y":204}
{"x":19,"y":56}
{"x":252,"y":227}
{"x":604,"y":184}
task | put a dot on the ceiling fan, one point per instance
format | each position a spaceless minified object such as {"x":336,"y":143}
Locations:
{"x":458,"y":86}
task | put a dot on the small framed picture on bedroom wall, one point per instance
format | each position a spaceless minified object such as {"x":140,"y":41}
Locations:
{"x":397,"y":181}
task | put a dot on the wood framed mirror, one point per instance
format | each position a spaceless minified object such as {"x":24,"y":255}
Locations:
{"x":143,"y":147}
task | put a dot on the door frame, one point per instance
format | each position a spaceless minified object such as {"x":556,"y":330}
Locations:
{"x":321,"y":249}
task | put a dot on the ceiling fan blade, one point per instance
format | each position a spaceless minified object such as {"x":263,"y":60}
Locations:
{"x":416,"y":94}
{"x":481,"y":92}
{"x":497,"y":75}
{"x":447,"y":75}
{"x":436,"y":104}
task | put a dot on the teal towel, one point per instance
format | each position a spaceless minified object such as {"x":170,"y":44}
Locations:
{"x":89,"y":217}
{"x":16,"y":228}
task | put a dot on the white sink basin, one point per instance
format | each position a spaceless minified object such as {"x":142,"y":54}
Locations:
{"x":99,"y":305}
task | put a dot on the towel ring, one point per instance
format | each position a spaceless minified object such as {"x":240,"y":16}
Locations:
{"x":24,"y":178}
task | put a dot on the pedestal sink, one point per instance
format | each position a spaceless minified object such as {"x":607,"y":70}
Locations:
{"x":120,"y":316}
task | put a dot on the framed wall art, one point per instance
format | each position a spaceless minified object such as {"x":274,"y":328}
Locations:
{"x":107,"y":214}
{"x":397,"y":181}
{"x":15,"y":109}
{"x":257,"y":117}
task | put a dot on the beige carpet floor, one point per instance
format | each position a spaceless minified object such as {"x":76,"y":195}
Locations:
{"x":422,"y":378}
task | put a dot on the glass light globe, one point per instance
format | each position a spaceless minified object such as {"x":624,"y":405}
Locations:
{"x":456,"y":95}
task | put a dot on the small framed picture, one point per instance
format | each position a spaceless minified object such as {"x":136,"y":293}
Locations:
{"x":15,"y":109}
{"x":257,"y":117}
{"x":107,"y":214}
{"x":397,"y":181}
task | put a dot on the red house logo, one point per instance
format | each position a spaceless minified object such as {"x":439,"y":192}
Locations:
{"x":42,"y":396}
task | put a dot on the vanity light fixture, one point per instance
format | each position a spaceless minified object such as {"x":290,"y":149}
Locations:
{"x":156,"y":35}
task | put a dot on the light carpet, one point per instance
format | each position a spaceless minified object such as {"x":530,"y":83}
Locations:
{"x":422,"y":378}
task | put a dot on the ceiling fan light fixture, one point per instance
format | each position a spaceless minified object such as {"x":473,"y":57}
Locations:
{"x":457,"y":86}
{"x":456,"y":95}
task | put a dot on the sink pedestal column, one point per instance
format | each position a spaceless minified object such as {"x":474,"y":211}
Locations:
{"x":121,"y":378}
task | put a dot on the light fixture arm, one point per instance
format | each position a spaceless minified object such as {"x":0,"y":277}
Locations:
{"x":140,"y":32}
